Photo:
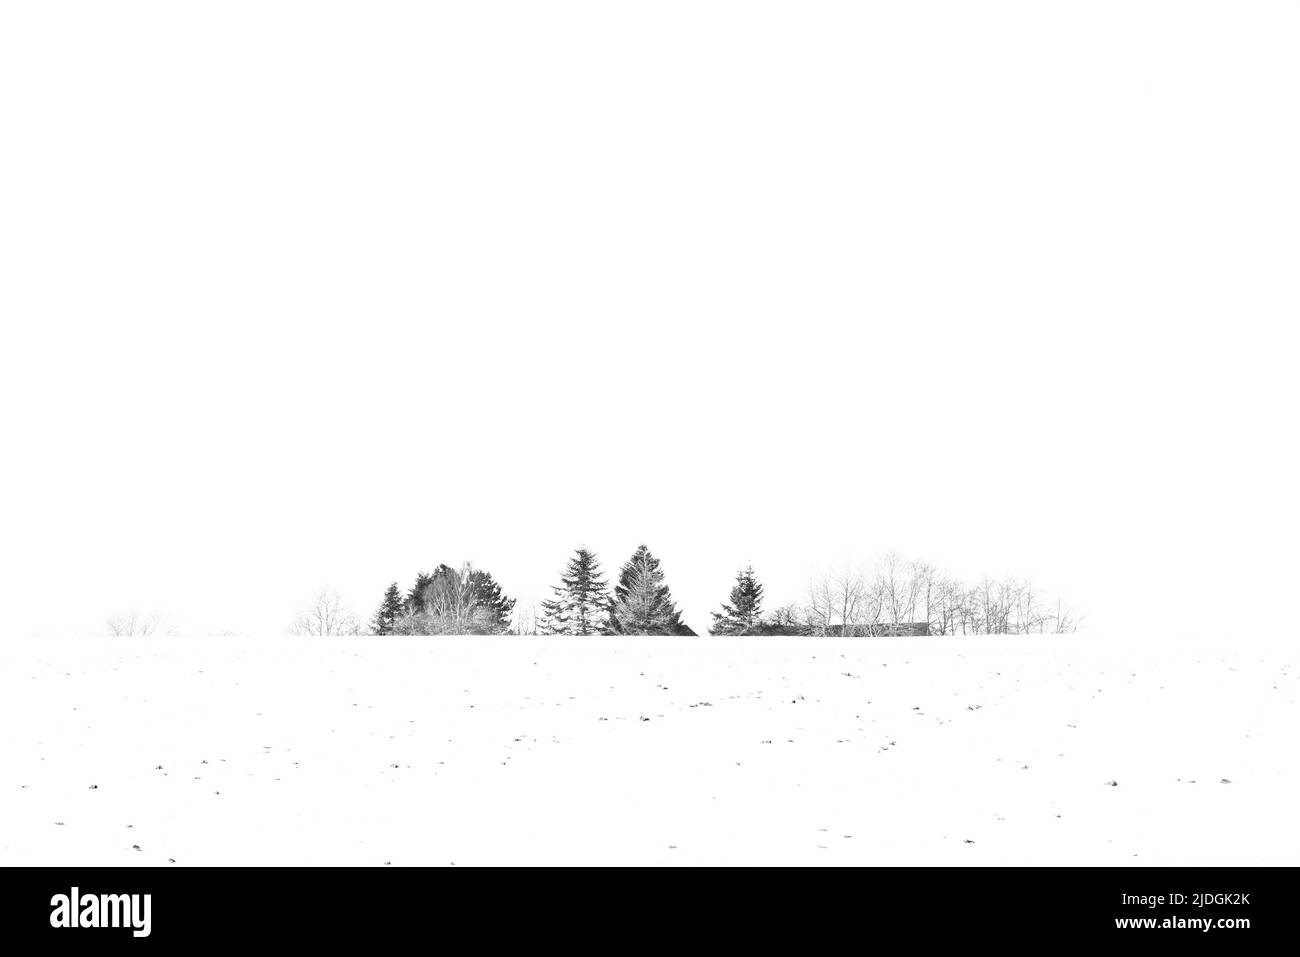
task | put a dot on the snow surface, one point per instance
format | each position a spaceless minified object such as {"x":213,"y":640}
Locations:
{"x":476,"y":751}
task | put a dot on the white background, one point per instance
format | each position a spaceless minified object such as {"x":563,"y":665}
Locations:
{"x":308,"y":293}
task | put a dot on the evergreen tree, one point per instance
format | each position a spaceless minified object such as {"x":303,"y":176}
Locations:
{"x":390,"y":610}
{"x":492,"y":609}
{"x":642,"y":604}
{"x":581,"y":603}
{"x":456,"y":601}
{"x":743,"y":613}
{"x":415,"y":597}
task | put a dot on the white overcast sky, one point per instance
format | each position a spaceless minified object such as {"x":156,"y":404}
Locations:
{"x":317,"y":293}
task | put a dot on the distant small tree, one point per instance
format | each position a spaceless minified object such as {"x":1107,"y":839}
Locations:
{"x":642,"y":603}
{"x":1066,"y":620}
{"x":743,"y":612}
{"x":389,"y":611}
{"x":137,"y":624}
{"x":325,"y":615}
{"x":788,"y":618}
{"x":581,"y":602}
{"x":525,"y":620}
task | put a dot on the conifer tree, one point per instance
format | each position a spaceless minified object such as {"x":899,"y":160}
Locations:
{"x":415,"y":597}
{"x":743,"y":613}
{"x":456,"y":601}
{"x":581,"y":603}
{"x":492,"y":608}
{"x":642,"y":604}
{"x":390,"y":609}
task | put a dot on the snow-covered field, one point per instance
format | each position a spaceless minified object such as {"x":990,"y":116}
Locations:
{"x":649,"y":751}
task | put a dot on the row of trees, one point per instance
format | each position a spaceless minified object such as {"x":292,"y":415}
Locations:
{"x":891,"y":596}
{"x":640,"y":603}
{"x":895,"y":591}
{"x":468,"y":601}
{"x":849,"y":602}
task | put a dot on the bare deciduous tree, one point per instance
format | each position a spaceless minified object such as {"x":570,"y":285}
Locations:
{"x":901,"y":592}
{"x":899,"y":587}
{"x":946,"y":606}
{"x":325,"y":615}
{"x":525,"y":620}
{"x":1065,"y":619}
{"x":138,"y":624}
{"x":786,"y":617}
{"x":844,"y":601}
